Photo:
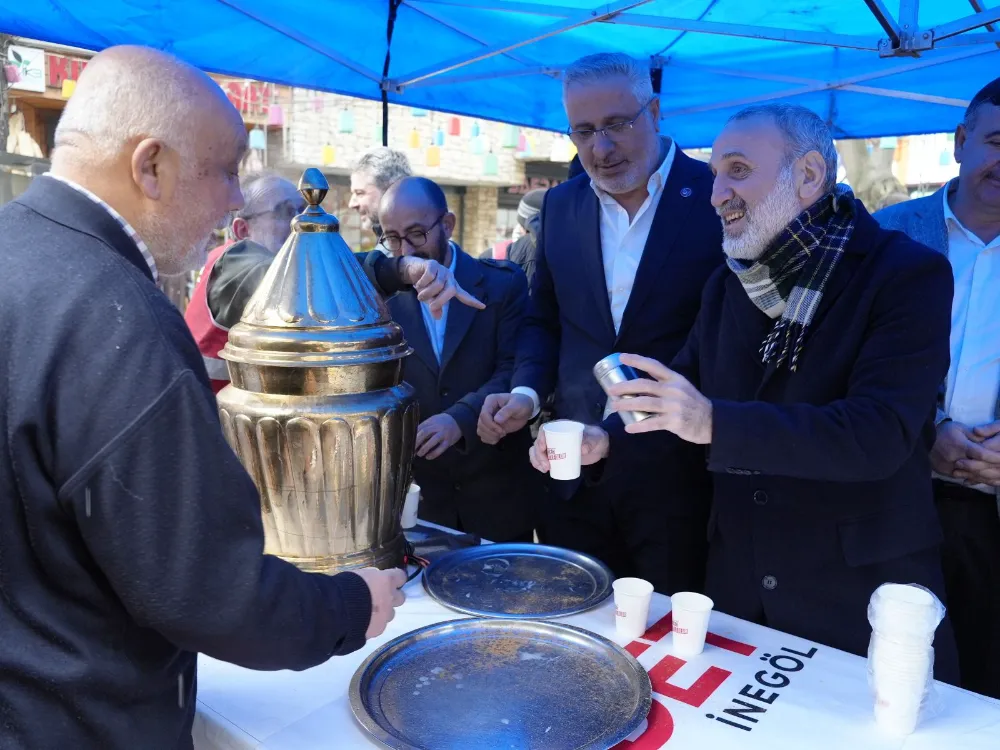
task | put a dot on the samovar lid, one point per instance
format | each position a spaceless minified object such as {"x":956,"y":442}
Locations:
{"x":315,"y":306}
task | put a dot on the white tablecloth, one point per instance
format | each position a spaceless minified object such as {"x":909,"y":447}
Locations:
{"x":809,"y":702}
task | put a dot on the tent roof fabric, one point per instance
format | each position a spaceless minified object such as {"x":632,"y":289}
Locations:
{"x":500,"y":59}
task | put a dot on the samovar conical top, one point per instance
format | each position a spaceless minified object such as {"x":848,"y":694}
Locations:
{"x":315,"y":308}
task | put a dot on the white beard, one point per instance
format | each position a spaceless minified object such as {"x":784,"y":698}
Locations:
{"x":628,"y":182}
{"x":765,"y":221}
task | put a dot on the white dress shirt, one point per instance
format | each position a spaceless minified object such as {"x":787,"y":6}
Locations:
{"x":622,"y":244}
{"x":974,"y":374}
{"x":436,"y":328}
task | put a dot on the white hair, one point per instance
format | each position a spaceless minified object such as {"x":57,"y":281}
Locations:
{"x":257,"y":189}
{"x":153,"y":97}
{"x":384,"y":165}
{"x":604,"y":65}
{"x":804,"y":131}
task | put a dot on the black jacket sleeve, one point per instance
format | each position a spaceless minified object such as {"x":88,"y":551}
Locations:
{"x":173,"y":522}
{"x":236,"y":276}
{"x":538,"y":348}
{"x":466,"y":410}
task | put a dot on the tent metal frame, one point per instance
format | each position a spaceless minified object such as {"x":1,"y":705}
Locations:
{"x":904,"y":37}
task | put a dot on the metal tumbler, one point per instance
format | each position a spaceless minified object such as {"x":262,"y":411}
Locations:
{"x":609,"y":371}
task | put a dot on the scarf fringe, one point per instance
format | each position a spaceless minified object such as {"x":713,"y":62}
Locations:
{"x":785,"y":340}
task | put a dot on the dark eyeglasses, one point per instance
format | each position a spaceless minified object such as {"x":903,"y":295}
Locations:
{"x":284,"y":210}
{"x":416,"y":237}
{"x":609,"y":131}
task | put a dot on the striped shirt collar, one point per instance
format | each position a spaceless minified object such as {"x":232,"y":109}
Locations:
{"x":147,"y":256}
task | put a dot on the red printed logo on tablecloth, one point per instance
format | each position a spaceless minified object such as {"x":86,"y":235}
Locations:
{"x":660,"y":723}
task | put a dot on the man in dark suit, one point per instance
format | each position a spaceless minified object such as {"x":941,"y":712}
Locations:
{"x":459,"y":359}
{"x":623,"y":254}
{"x":962,"y":222}
{"x":811,"y":376}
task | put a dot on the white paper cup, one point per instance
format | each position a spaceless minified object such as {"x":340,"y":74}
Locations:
{"x":691,"y":612}
{"x":632,"y":598}
{"x":410,"y":506}
{"x":898,"y":705}
{"x":564,"y":443}
{"x":895,"y":718}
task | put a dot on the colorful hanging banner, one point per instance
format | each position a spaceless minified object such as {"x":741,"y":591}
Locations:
{"x":346,"y":121}
{"x":491,"y":165}
{"x":258,"y":139}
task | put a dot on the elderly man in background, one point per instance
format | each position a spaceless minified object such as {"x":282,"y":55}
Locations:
{"x":258,"y":231}
{"x":130,"y":535}
{"x":810,"y":377}
{"x":234,"y":271}
{"x":459,"y":359}
{"x":962,"y":221}
{"x":529,"y":221}
{"x":370,"y":178}
{"x":623,"y":254}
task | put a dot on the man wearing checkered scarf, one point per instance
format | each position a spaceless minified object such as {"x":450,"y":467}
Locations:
{"x":811,"y":378}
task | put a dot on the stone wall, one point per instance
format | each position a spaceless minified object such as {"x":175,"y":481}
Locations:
{"x":480,"y":219}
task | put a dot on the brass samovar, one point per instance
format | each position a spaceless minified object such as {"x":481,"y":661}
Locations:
{"x":316,"y":408}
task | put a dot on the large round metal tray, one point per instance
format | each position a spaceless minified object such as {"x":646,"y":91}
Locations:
{"x":527,"y":581}
{"x":479,"y":684}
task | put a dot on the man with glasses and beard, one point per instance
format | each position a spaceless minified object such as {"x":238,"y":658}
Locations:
{"x":459,"y":359}
{"x":810,"y":377}
{"x":623,"y":253}
{"x":234,"y":271}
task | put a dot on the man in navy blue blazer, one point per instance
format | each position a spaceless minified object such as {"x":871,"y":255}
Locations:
{"x":811,"y":376}
{"x":623,"y":254}
{"x":460,"y":357}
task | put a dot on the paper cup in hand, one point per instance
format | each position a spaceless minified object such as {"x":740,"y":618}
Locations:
{"x":410,"y":506}
{"x":690,"y":621}
{"x":632,"y":597}
{"x":564,"y":444}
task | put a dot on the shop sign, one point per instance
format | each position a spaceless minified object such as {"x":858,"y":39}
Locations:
{"x":63,"y":69}
{"x":25,"y":69}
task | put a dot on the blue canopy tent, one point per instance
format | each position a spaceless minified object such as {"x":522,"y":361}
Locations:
{"x":869,"y":69}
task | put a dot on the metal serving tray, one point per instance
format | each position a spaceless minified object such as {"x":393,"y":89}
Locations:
{"x":527,"y":581}
{"x":491,"y":684}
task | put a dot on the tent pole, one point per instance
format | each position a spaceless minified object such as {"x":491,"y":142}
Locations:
{"x":574,"y":21}
{"x":389,"y":27}
{"x":821,"y":86}
{"x":553,"y":71}
{"x":979,"y":8}
{"x":450,"y":24}
{"x":960,"y":26}
{"x":302,"y":39}
{"x":908,"y":12}
{"x":875,"y":91}
{"x":822,"y":38}
{"x":885,"y":20}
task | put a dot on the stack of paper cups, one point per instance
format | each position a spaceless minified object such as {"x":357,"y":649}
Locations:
{"x":410,"y":506}
{"x":901,"y":655}
{"x":632,"y":598}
